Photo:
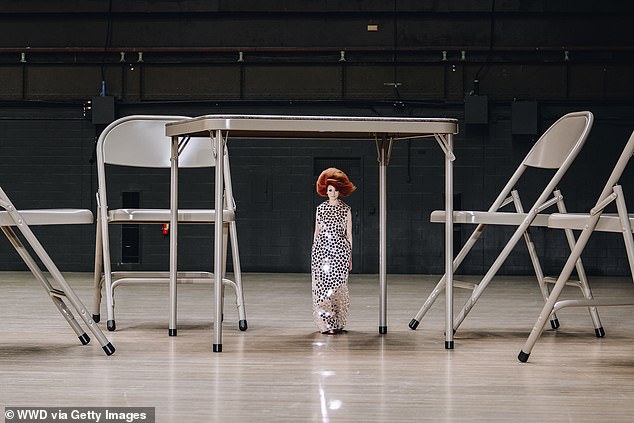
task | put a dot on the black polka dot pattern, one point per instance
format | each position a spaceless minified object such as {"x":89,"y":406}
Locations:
{"x":330,"y":261}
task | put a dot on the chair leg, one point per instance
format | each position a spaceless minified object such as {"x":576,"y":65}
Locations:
{"x":584,"y":285}
{"x":225,"y":239}
{"x":555,"y":293}
{"x":237,"y":271}
{"x":68,"y":315}
{"x":96,"y":301}
{"x":110,"y":322}
{"x":440,"y":286}
{"x":55,"y":295}
{"x":499,"y":261}
{"x":628,"y":239}
{"x":532,"y":252}
{"x":98,"y":279}
{"x":229,"y":231}
{"x":581,"y":273}
{"x":81,"y":309}
{"x":52,"y":292}
{"x":107,"y":275}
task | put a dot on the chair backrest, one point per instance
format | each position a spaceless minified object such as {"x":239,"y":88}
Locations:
{"x":556,"y":149}
{"x":561,"y":142}
{"x":140,"y":141}
{"x":618,"y":169}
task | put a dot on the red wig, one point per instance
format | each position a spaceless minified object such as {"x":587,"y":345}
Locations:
{"x":336,"y":178}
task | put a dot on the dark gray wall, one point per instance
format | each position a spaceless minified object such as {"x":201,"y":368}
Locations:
{"x":563,"y":55}
{"x":189,"y":50}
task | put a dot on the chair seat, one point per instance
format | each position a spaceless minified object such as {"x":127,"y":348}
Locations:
{"x":49,"y":217}
{"x":608,"y":222}
{"x":163,"y":216}
{"x":489,"y":218}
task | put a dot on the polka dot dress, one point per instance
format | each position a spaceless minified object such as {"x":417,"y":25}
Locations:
{"x":330,"y":261}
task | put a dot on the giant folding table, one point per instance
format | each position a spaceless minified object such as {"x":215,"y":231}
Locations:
{"x":383,"y":131}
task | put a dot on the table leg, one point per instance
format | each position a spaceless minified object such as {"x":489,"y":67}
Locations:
{"x":449,"y":243}
{"x":219,"y":146}
{"x":383,"y":158}
{"x":173,"y":236}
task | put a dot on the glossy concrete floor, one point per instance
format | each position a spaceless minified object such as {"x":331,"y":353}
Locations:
{"x":282,"y":370}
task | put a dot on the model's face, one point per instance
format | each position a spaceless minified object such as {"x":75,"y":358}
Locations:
{"x":332,"y":192}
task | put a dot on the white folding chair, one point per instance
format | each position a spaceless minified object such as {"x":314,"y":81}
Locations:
{"x":140,"y":142}
{"x":556,"y":149}
{"x":11,"y":218}
{"x":595,"y":221}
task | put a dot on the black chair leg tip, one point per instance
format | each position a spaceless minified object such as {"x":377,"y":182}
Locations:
{"x":382,"y":330}
{"x":523,"y":357}
{"x":84,"y":339}
{"x":413,"y":324}
{"x":172,"y":332}
{"x":96,"y":318}
{"x":111,"y":325}
{"x":449,"y":345}
{"x":554,"y":323}
{"x":242,"y":324}
{"x":600,"y":333}
{"x":109,"y":349}
{"x":217,"y":347}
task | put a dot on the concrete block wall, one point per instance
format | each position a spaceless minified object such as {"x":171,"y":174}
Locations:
{"x":45,"y":161}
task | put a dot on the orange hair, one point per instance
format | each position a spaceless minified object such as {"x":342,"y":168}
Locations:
{"x":336,"y":178}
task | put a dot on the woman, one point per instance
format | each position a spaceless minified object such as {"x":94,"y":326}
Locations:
{"x":331,"y":257}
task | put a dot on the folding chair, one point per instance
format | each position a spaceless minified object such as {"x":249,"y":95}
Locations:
{"x":556,"y":149}
{"x":595,"y":221}
{"x":21,"y":219}
{"x":140,"y":142}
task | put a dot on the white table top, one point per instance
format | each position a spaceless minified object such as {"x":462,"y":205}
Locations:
{"x":316,"y":127}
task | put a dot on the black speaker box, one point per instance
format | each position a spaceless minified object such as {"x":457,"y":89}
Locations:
{"x":476,"y":110}
{"x":102,"y":110}
{"x":524,"y":118}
